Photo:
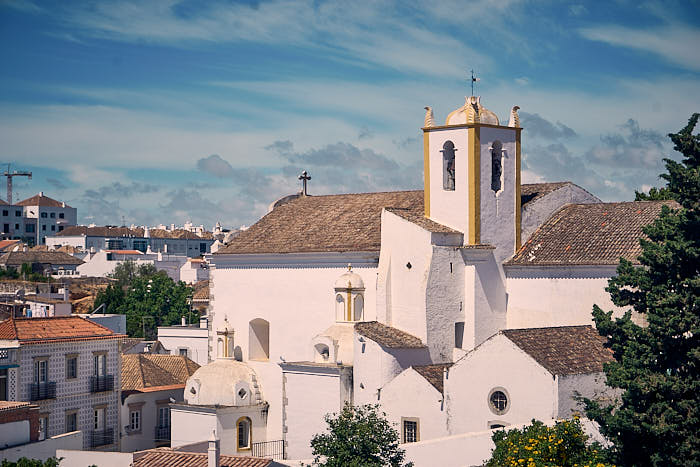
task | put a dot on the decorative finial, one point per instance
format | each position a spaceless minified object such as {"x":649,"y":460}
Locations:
{"x":514,"y":118}
{"x":471,"y":106}
{"x":429,"y":121}
{"x":349,"y":267}
{"x":304,"y":177}
{"x":474,"y":80}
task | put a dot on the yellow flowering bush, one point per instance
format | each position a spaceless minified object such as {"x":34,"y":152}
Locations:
{"x":537,"y":445}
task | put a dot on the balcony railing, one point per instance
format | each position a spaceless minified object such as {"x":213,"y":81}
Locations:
{"x":41,"y":391}
{"x":101,"y":437}
{"x":101,"y":383}
{"x":162,"y":434}
{"x":274,"y":449}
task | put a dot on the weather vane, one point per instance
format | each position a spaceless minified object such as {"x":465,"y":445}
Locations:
{"x":474,"y":79}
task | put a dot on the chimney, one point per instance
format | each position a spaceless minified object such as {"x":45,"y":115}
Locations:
{"x":184,"y":321}
{"x":213,"y":452}
{"x":41,"y":193}
{"x":203,"y":321}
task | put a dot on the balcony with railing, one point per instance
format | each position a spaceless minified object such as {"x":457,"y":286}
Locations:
{"x":162,"y":434}
{"x":101,"y":437}
{"x":271,"y":449}
{"x":101,"y":383}
{"x":41,"y":391}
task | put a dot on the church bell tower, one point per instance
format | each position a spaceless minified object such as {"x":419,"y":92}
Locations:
{"x":472,"y":175}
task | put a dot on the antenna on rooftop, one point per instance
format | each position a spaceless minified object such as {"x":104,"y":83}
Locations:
{"x":9,"y":180}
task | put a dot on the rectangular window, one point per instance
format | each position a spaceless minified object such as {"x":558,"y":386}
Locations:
{"x":71,"y":421}
{"x":202,"y":247}
{"x":60,"y":228}
{"x":16,"y":226}
{"x":6,"y":228}
{"x":100,"y":365}
{"x":459,"y":334}
{"x":5,"y":212}
{"x":53,"y":228}
{"x":61,"y":215}
{"x":163,"y":416}
{"x":41,"y":371}
{"x":135,"y":420}
{"x":53,"y":215}
{"x":71,"y":366}
{"x":3,"y":385}
{"x":30,"y":228}
{"x":410,"y":430}
{"x":183,"y":352}
{"x":43,"y":215}
{"x":43,"y":227}
{"x":99,"y":419}
{"x":18,"y":213}
{"x":43,"y":427}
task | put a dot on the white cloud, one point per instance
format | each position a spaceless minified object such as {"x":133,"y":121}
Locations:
{"x":675,"y":43}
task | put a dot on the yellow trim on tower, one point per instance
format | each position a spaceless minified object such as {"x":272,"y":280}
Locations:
{"x":517,"y":190}
{"x":474,"y":185}
{"x":349,"y":305}
{"x":426,"y":173}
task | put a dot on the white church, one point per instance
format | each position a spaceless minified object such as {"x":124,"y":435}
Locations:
{"x":459,"y":308}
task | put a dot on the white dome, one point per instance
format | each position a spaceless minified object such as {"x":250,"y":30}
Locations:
{"x":223,"y":382}
{"x":471,"y":112}
{"x":349,"y":280}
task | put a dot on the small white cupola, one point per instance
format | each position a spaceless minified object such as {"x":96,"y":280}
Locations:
{"x":224,"y":341}
{"x":349,"y":297}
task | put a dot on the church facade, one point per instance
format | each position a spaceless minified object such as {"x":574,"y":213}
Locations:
{"x":462,"y":307}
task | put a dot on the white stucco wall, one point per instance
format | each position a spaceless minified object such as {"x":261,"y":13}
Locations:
{"x":13,"y":433}
{"x":298,"y":300}
{"x":497,"y":363}
{"x":192,"y":338}
{"x":498,"y":209}
{"x":74,"y":458}
{"x":447,"y":207}
{"x":557,"y":296}
{"x":589,"y":385}
{"x":309,"y":397}
{"x":466,"y":449}
{"x":411,"y":395}
{"x":189,"y":426}
{"x":42,"y":450}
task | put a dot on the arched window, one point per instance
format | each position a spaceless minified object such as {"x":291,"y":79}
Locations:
{"x":496,"y":166}
{"x":339,"y":307}
{"x":259,"y":340}
{"x":448,"y":165}
{"x":359,"y":307}
{"x":244,"y":428}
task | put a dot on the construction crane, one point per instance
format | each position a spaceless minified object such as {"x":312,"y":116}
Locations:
{"x":9,"y":176}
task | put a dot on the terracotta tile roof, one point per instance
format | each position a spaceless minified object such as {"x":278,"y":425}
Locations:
{"x":387,"y":336}
{"x":17,"y":258}
{"x":41,"y":200}
{"x":433,"y":374}
{"x":6,"y":406}
{"x":595,"y":234}
{"x":565,"y":350}
{"x":41,"y":330}
{"x":141,"y":371}
{"x":333,"y":223}
{"x":339,"y":223}
{"x":418,"y":218}
{"x":201,"y":291}
{"x":164,"y":457}
{"x":8,"y":244}
{"x":3,"y":202}
{"x":138,"y":232}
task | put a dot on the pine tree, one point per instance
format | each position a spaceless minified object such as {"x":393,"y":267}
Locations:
{"x":657,"y":419}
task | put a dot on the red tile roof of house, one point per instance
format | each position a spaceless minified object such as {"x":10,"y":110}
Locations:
{"x":563,"y":350}
{"x":57,"y":328}
{"x":7,"y":244}
{"x":590,"y":234}
{"x":433,"y":373}
{"x":165,"y":457}
{"x":40,"y":200}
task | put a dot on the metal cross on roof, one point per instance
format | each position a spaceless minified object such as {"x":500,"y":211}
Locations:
{"x":474,"y":80}
{"x":304,"y":177}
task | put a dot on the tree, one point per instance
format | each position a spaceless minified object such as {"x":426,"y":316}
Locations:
{"x":148,"y":298}
{"x":564,"y":444}
{"x":655,"y":194}
{"x":26,"y":462}
{"x":358,"y":436}
{"x":657,"y":419}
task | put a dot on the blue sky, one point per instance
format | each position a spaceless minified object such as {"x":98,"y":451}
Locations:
{"x":161,"y":112}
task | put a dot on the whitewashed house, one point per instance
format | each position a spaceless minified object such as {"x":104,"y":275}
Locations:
{"x":443,"y":282}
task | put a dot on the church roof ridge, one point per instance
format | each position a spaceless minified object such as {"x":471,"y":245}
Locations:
{"x":388,"y":336}
{"x":433,"y":373}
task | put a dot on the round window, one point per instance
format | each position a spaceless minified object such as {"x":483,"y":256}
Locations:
{"x":498,"y":401}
